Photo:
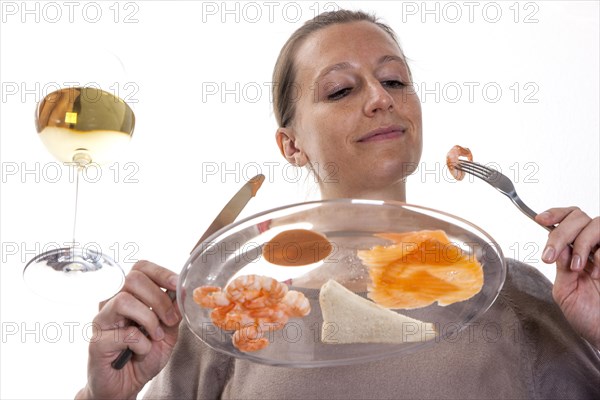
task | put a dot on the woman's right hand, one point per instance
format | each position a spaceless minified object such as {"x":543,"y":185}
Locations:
{"x":143,"y":302}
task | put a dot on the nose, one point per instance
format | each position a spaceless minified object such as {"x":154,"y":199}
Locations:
{"x":378,"y":99}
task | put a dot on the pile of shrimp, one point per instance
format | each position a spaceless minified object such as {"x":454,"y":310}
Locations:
{"x":251,"y":305}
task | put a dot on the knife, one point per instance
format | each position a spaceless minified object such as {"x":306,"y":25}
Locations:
{"x":227,"y":215}
{"x":232,"y":209}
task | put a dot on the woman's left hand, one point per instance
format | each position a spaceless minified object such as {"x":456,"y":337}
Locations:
{"x":577,"y":285}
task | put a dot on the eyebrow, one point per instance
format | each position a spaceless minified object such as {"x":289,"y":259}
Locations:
{"x":334,"y":67}
{"x":389,"y":58}
{"x":347,"y":65}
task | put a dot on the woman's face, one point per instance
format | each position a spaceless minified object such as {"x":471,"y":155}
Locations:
{"x":357,"y":122}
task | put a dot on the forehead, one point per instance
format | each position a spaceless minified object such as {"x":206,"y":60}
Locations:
{"x":355,"y":42}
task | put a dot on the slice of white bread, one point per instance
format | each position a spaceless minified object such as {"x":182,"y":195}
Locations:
{"x":349,"y":318}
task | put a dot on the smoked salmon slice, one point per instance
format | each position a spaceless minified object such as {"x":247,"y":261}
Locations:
{"x":419,"y":269}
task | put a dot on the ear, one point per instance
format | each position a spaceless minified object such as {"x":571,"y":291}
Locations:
{"x":286,"y":141}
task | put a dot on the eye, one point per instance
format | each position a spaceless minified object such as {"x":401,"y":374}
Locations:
{"x":339,"y":94}
{"x":393,"y":84}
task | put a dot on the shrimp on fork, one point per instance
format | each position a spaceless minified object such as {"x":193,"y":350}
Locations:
{"x":452,"y":160}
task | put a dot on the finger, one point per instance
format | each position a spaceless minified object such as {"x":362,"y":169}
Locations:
{"x":584,"y":244}
{"x":554,"y":215}
{"x":596,"y":271}
{"x":594,"y":266}
{"x":563,"y":260}
{"x":163,"y":277}
{"x":125,"y":307}
{"x":569,"y":228}
{"x":146,"y":290}
{"x":113,"y":341}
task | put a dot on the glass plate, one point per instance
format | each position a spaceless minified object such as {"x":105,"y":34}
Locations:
{"x":350,"y":225}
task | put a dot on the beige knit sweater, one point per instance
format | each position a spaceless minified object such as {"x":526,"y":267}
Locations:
{"x":534,"y":354}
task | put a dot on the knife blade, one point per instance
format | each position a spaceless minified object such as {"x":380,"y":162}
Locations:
{"x":232,"y":209}
{"x":227,"y":215}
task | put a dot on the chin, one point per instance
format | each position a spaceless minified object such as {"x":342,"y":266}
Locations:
{"x":395,"y":168}
{"x":383,"y":178}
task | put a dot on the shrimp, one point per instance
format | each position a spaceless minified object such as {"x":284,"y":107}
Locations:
{"x":273,"y":318}
{"x":297,"y":304}
{"x":249,"y":287}
{"x":249,"y":338}
{"x":220,"y":317}
{"x":452,"y":159}
{"x":250,"y":305}
{"x":210,"y":297}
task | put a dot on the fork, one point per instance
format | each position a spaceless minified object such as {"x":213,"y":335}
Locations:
{"x":505,"y":186}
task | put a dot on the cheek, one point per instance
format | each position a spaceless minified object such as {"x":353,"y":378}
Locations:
{"x":414,"y":113}
{"x":322,"y":131}
{"x":417,"y":115}
{"x":412,"y":103}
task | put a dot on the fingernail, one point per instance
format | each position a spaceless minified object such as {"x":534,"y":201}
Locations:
{"x":544,"y":215}
{"x":160,"y":334}
{"x":548,"y":254}
{"x":575,"y":263}
{"x":174,"y":280}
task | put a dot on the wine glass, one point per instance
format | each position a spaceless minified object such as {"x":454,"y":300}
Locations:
{"x":80,"y":126}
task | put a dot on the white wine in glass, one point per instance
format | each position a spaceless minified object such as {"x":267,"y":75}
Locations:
{"x":80,"y":126}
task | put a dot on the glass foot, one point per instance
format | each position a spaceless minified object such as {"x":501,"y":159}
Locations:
{"x":74,"y":274}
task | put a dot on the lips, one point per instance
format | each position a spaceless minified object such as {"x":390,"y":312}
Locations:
{"x":383,"y":133}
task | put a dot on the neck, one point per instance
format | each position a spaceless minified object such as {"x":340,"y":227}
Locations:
{"x":395,"y":192}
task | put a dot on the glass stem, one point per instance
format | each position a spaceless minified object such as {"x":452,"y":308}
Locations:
{"x":79,"y":169}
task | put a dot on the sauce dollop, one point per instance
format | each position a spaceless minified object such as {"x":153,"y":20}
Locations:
{"x":297,"y":247}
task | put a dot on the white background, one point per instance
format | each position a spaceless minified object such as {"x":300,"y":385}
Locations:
{"x":542,"y":130}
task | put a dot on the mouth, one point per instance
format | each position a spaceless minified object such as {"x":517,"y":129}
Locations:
{"x":383,"y":133}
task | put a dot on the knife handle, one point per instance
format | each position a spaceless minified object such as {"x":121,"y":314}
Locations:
{"x":122,"y":360}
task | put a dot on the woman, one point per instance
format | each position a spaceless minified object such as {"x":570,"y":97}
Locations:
{"x":355,"y":109}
